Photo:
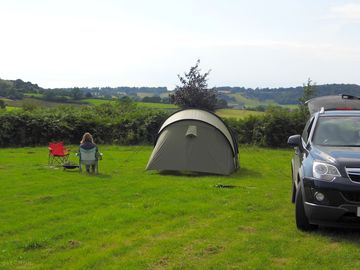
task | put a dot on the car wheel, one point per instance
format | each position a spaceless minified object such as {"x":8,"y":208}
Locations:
{"x":293,"y":194}
{"x":302,"y":222}
{"x":293,"y":185}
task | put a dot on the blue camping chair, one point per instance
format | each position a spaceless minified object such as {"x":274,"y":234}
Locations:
{"x":89,"y":157}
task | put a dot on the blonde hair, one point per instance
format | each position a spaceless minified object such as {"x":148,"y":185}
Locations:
{"x":87,"y":137}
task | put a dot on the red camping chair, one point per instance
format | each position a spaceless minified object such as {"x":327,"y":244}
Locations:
{"x":58,"y":153}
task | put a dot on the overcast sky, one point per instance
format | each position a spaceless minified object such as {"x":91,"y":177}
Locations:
{"x":254,"y":43}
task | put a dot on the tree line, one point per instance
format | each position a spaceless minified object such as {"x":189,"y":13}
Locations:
{"x":17,"y":88}
{"x":291,"y":95}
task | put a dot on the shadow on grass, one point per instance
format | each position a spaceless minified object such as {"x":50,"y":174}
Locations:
{"x":99,"y":175}
{"x":70,"y":170}
{"x":340,"y":234}
{"x":102,"y":176}
{"x":185,"y":173}
{"x":241,"y":173}
{"x":245,"y":172}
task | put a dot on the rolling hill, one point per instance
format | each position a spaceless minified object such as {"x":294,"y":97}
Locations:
{"x":237,"y":97}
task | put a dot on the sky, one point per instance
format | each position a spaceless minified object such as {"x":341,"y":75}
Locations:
{"x":253,"y":43}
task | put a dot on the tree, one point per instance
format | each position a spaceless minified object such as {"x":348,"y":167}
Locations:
{"x":49,"y":95}
{"x":309,"y":92}
{"x":193,"y":91}
{"x":221,"y":104}
{"x":153,"y":99}
{"x":76,"y":93}
{"x":125,"y":104}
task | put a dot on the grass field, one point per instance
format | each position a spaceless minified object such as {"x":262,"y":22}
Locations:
{"x":139,"y":104}
{"x":144,"y":94}
{"x":93,"y":101}
{"x":9,"y":108}
{"x":237,"y":114}
{"x":253,"y":102}
{"x":36,"y":102}
{"x":156,"y":105}
{"x":127,"y":218}
{"x":33,"y":95}
{"x":96,"y":101}
{"x":250,"y":102}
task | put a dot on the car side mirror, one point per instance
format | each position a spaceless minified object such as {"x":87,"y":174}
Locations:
{"x":295,"y":141}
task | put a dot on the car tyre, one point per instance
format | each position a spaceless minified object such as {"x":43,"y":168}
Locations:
{"x":302,"y":221}
{"x":293,"y":194}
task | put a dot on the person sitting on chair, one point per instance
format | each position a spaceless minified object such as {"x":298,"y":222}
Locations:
{"x":87,"y":145}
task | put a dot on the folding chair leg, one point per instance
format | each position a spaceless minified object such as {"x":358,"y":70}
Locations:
{"x":96,"y":168}
{"x":51,"y":160}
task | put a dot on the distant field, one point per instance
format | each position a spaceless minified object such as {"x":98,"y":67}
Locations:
{"x":91,"y":101}
{"x":238,"y":114}
{"x":139,"y":104}
{"x":95,"y":101}
{"x":9,"y":108}
{"x":36,"y":102}
{"x":290,"y":106}
{"x":144,"y":94}
{"x":33,"y":95}
{"x":16,"y":104}
{"x":164,"y":95}
{"x":127,"y":218}
{"x":5,"y":99}
{"x":156,"y":105}
{"x":249,"y":102}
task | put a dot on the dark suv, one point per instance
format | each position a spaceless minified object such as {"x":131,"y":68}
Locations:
{"x":326,"y":164}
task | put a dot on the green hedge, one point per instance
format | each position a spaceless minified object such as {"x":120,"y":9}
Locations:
{"x":108,"y":124}
{"x":271,"y":130}
{"x":126,"y":124}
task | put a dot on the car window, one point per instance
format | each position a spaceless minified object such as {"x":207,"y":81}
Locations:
{"x":337,"y":131}
{"x":307,"y":129}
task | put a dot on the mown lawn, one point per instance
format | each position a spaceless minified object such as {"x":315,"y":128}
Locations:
{"x":127,"y":218}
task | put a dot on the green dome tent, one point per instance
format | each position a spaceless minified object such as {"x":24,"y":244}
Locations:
{"x":196,"y":141}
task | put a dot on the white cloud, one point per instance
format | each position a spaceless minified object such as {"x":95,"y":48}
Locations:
{"x":349,"y":12}
{"x":92,"y":43}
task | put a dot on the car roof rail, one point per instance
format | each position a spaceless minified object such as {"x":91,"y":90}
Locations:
{"x":333,"y":102}
{"x":345,"y":96}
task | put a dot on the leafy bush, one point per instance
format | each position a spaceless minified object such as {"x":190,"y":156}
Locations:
{"x":193,"y":91}
{"x":108,"y":124}
{"x":124,"y":123}
{"x":272,"y":129}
